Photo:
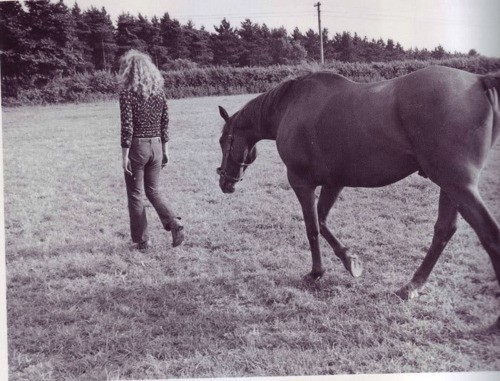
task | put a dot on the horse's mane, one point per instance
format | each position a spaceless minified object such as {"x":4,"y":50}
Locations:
{"x":264,"y":105}
{"x":255,"y":108}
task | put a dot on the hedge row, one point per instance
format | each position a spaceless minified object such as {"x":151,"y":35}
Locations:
{"x":193,"y":82}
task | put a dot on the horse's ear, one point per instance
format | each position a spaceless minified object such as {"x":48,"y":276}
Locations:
{"x":223,"y":113}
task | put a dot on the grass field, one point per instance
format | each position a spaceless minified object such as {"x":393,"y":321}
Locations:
{"x":84,"y":305}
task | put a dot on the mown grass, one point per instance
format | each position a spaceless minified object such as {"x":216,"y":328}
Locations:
{"x":82,"y":304}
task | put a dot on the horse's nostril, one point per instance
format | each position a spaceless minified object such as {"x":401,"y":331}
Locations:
{"x":218,"y":170}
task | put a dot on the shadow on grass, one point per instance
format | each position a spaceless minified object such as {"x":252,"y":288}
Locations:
{"x":130,"y":307}
{"x":113,"y":322}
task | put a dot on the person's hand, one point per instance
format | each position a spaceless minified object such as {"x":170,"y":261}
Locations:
{"x":127,"y":166}
{"x":165,"y":159}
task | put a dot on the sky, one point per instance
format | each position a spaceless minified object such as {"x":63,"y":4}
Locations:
{"x":457,"y":25}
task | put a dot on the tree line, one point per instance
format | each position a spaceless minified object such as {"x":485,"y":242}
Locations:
{"x":42,"y":39}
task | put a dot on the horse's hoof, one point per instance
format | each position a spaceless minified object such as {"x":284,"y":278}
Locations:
{"x":314,"y":275}
{"x":353,"y":264}
{"x":407,"y":292}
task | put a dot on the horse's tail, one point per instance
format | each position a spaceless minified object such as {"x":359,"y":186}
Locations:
{"x":491,"y":81}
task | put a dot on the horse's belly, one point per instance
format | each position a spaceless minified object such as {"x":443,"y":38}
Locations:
{"x":374,"y":173}
{"x":368,"y":166}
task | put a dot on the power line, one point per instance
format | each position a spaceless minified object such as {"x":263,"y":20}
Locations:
{"x":204,"y":19}
{"x":398,"y":17}
{"x":260,"y":14}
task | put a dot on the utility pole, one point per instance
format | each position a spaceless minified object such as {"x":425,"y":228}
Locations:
{"x":318,"y":4}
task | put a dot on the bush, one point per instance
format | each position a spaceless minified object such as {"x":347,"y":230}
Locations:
{"x":186,"y":79}
{"x":78,"y":88}
{"x":179,"y":64}
{"x":103,"y":82}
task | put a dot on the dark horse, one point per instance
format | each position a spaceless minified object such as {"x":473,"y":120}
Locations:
{"x":334,"y":133}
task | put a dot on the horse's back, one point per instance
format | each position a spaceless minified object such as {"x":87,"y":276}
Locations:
{"x":376,"y":133}
{"x":336,"y":130}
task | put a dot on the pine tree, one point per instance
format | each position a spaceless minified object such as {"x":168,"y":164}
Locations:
{"x":263,"y":54}
{"x":398,"y":52}
{"x":127,"y":34}
{"x":158,"y":52}
{"x":252,"y":43}
{"x":284,"y":50}
{"x":52,"y":46}
{"x":297,"y":36}
{"x":82,"y":32}
{"x":311,"y":44}
{"x":101,"y":38}
{"x":173,"y":37}
{"x":439,"y":52}
{"x":13,"y":36}
{"x":226,"y":45}
{"x":328,"y":50}
{"x":472,"y":53}
{"x":200,"y":50}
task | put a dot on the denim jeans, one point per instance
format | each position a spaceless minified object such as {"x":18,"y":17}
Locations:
{"x":146,"y":157}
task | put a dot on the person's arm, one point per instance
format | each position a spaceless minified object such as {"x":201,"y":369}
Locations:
{"x":166,"y":157}
{"x":164,"y":133}
{"x":127,"y":129}
{"x":126,"y":161}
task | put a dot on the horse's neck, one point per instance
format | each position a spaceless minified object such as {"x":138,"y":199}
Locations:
{"x":269,"y":120}
{"x":269,"y":129}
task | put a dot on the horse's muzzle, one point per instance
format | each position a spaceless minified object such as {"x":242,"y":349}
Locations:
{"x":226,"y":183}
{"x":226,"y":186}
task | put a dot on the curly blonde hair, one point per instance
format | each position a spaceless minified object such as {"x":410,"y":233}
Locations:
{"x":138,"y":73}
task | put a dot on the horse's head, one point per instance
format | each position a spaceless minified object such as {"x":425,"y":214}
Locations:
{"x":238,"y":152}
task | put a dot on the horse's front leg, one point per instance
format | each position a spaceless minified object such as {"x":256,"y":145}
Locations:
{"x":327,"y":198}
{"x":305,"y":194}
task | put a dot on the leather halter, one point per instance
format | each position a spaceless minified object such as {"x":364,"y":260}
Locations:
{"x":229,"y":154}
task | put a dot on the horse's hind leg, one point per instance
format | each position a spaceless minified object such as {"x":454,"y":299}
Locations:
{"x":327,"y":198}
{"x":444,"y":229}
{"x":475,"y":212}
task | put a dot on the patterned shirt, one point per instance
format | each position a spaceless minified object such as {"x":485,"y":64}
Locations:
{"x":143,"y":118}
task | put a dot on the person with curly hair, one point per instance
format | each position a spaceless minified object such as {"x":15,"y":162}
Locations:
{"x":144,"y":141}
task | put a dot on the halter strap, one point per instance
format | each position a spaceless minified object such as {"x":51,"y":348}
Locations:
{"x":229,"y":155}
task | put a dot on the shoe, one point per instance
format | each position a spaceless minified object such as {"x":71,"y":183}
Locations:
{"x":177,"y":235}
{"x":144,"y":246}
